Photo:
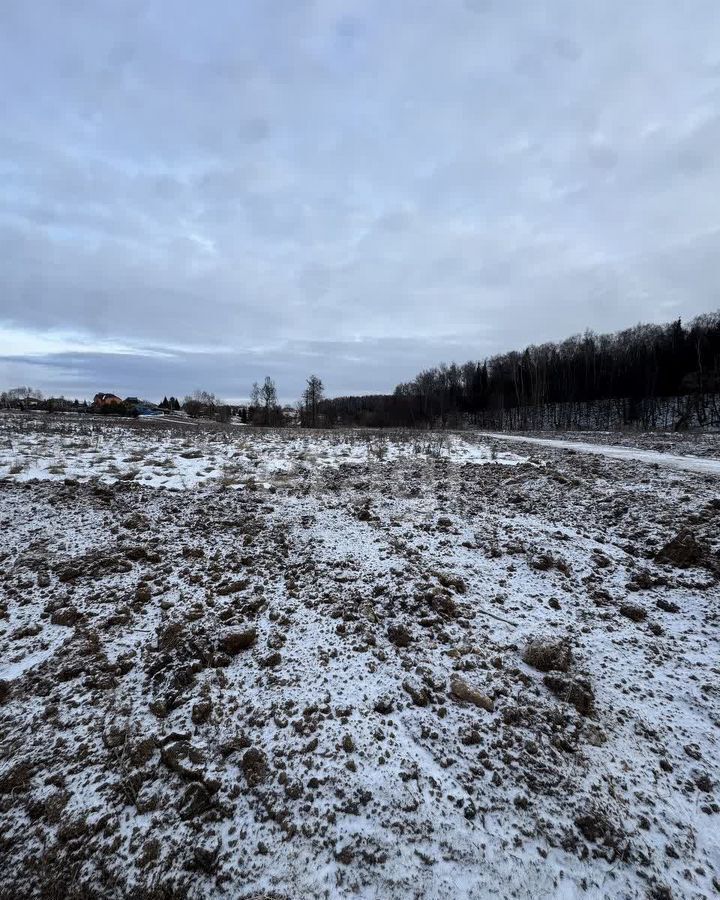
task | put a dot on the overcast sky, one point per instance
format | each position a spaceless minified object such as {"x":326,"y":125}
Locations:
{"x":197,"y":194}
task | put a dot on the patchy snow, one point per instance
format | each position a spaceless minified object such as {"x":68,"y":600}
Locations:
{"x":159,"y":454}
{"x":329,"y":755}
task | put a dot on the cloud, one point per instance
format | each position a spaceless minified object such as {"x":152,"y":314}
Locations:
{"x":155,"y":372}
{"x":455,"y":178}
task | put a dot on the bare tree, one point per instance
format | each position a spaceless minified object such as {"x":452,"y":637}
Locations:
{"x":264,"y":408}
{"x":21,"y":394}
{"x":312,"y":395}
{"x":201,"y":403}
{"x":268,"y":397}
{"x":205,"y":397}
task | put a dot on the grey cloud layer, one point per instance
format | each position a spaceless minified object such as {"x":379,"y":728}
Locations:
{"x":464,"y":176}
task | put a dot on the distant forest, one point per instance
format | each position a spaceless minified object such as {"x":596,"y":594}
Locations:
{"x":586,"y":380}
{"x":648,"y":377}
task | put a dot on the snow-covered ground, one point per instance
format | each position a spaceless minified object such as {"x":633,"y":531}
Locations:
{"x":241,"y":663}
{"x":165,"y":453}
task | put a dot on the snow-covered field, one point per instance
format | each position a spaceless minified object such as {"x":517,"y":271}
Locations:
{"x":177,"y":455}
{"x":239,"y":663}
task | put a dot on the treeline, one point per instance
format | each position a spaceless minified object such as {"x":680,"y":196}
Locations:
{"x":639,"y":366}
{"x":607,"y":381}
{"x":263,"y":409}
{"x":25,"y":398}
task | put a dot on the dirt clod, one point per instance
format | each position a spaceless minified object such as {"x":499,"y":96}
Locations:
{"x":255,"y":767}
{"x":548,"y":654}
{"x":233,"y":642}
{"x":465,"y":692}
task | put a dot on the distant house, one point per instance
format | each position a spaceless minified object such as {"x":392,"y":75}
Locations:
{"x":148,"y":409}
{"x":106,"y":400}
{"x":142,"y":407}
